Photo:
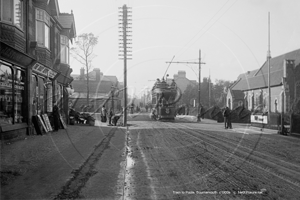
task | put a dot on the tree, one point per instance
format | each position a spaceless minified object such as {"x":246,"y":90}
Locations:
{"x":83,"y":53}
{"x":220,"y":90}
{"x":191,"y":92}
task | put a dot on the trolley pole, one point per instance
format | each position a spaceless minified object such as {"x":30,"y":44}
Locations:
{"x":199,"y":85}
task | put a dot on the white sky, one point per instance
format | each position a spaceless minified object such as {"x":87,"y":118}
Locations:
{"x":232,"y":36}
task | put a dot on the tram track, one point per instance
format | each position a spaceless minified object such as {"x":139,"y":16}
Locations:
{"x":265,"y":162}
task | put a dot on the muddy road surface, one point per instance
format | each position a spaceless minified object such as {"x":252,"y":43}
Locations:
{"x":153,"y":160}
{"x":182,"y":160}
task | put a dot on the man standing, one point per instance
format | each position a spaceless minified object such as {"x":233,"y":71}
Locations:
{"x":110,"y":115}
{"x":103,"y":114}
{"x":225,"y":115}
{"x":56,"y":117}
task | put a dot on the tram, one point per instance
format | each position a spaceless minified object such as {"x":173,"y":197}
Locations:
{"x":164,"y":99}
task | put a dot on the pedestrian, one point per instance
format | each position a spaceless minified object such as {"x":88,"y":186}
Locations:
{"x":56,"y":117}
{"x":229,"y":119}
{"x":110,"y":115}
{"x":146,"y":108}
{"x":225,"y":115}
{"x":103,"y":114}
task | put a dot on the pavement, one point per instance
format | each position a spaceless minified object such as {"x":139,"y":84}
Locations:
{"x":39,"y":167}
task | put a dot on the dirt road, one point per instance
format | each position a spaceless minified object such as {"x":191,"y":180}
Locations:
{"x":204,"y":161}
{"x":153,"y":160}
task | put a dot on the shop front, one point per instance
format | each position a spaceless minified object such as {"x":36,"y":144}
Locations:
{"x":14,"y":90}
{"x":42,"y":87}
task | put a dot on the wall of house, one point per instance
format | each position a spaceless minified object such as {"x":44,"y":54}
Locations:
{"x":229,"y":100}
{"x":258,"y":99}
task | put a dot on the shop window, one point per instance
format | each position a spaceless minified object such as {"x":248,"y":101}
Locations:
{"x":64,"y":49}
{"x":19,"y":96}
{"x":12,"y":107}
{"x":6,"y":106}
{"x":12,"y":12}
{"x":42,"y":28}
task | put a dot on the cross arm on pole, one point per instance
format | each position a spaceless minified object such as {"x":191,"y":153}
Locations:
{"x":187,"y":62}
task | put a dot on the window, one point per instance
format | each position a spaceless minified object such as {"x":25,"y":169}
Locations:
{"x":12,"y":107}
{"x":12,"y":12}
{"x":42,"y":28}
{"x":64,"y":49}
{"x":19,"y":96}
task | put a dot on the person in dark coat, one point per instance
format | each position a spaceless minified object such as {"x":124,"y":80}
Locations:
{"x":56,"y":117}
{"x":103,"y":114}
{"x":227,"y":118}
{"x":110,"y":115}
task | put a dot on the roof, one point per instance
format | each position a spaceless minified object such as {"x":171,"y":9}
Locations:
{"x":237,"y":94}
{"x":94,"y":86}
{"x":67,"y":21}
{"x":259,"y":78}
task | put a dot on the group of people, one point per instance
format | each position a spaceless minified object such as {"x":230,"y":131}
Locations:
{"x":227,"y":118}
{"x":112,"y":118}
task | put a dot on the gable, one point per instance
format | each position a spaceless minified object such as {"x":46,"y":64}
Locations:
{"x":259,"y":78}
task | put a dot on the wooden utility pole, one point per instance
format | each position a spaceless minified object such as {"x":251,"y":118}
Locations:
{"x":269,"y":76}
{"x":199,"y":85}
{"x":125,"y":27}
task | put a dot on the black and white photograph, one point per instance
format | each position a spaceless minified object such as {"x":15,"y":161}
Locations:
{"x":150,"y":99}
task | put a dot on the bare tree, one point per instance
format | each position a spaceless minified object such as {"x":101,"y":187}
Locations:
{"x":83,"y":53}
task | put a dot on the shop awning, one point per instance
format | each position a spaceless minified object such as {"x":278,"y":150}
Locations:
{"x":15,"y":56}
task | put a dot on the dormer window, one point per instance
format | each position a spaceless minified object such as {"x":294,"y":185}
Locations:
{"x":11,"y":11}
{"x":42,"y":28}
{"x":64,"y":49}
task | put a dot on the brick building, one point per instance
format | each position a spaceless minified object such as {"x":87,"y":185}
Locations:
{"x":284,"y":84}
{"x":34,"y":62}
{"x":100,"y":91}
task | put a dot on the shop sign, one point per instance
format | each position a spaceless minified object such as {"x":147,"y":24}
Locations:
{"x":9,"y":85}
{"x":8,"y":98}
{"x":44,"y":70}
{"x":261,"y":119}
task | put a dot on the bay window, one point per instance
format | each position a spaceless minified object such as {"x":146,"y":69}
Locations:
{"x":64,"y":49}
{"x":11,"y":11}
{"x":42,"y":28}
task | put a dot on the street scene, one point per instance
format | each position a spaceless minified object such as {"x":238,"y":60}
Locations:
{"x":131,"y":100}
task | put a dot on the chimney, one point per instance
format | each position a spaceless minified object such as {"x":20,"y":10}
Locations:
{"x":181,"y":74}
{"x":81,"y":77}
{"x":98,"y":76}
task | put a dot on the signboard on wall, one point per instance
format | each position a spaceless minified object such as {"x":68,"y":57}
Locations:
{"x":42,"y":122}
{"x":261,"y":119}
{"x":39,"y":68}
{"x":62,"y":121}
{"x":47,"y":122}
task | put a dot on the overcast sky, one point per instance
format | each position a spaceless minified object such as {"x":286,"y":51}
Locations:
{"x":232,"y":36}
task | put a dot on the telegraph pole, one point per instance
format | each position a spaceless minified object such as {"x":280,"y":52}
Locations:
{"x":269,"y":77}
{"x":124,"y":29}
{"x":199,"y":85}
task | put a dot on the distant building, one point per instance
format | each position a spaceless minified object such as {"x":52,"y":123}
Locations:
{"x":182,"y":81}
{"x":100,"y":90}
